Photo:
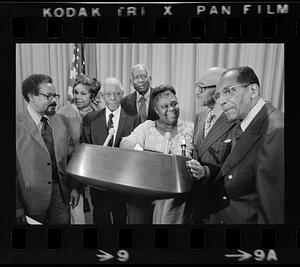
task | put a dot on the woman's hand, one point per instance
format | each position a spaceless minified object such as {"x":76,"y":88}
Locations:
{"x":196,"y":169}
{"x":126,"y":144}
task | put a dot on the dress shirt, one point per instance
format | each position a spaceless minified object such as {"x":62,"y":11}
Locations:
{"x":147,"y":102}
{"x":115,"y":119}
{"x":37,"y":118}
{"x":252,"y":113}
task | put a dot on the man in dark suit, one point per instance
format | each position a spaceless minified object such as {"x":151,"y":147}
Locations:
{"x":251,"y":180}
{"x":44,"y":145}
{"x":95,"y":129}
{"x":140,"y":102}
{"x":210,"y":132}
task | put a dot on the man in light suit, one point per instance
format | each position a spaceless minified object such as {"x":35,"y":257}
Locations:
{"x":211,"y":130}
{"x":140,"y":102}
{"x":251,"y":180}
{"x":95,"y":129}
{"x":44,"y":146}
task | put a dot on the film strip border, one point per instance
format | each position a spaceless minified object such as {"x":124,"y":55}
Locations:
{"x":156,"y":22}
{"x":164,"y":28}
{"x":27,"y":23}
{"x":181,"y":244}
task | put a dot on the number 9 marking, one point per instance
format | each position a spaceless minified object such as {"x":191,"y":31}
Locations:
{"x":123,"y":255}
{"x":259,"y":255}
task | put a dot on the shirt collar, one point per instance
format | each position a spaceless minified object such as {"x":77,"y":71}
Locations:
{"x":147,"y":96}
{"x":116,"y":113}
{"x":35,"y":115}
{"x":252,"y":113}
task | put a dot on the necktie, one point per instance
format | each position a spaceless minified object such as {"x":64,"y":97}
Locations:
{"x":236,"y":134}
{"x":110,"y":124}
{"x":48,"y":139}
{"x":208,"y":122}
{"x":142,"y":108}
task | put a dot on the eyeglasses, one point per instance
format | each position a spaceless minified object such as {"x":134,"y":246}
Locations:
{"x":50,"y":96}
{"x":142,"y":76}
{"x":228,"y":91}
{"x":200,"y":89}
{"x":112,"y":94}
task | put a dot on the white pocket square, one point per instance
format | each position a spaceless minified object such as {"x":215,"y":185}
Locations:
{"x":227,"y":141}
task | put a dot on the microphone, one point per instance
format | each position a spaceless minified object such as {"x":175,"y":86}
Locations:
{"x":167,"y":145}
{"x":183,"y":146}
{"x":111,"y":133}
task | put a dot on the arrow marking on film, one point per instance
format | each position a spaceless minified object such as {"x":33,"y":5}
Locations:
{"x":104,"y":256}
{"x":242,"y":257}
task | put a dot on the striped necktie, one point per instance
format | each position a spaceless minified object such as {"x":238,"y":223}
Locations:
{"x":142,"y":108}
{"x":110,"y":124}
{"x":208,"y":122}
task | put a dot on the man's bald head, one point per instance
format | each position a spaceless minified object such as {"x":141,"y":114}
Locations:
{"x":140,"y":67}
{"x":112,"y":81}
{"x":212,"y":76}
{"x":206,"y":86}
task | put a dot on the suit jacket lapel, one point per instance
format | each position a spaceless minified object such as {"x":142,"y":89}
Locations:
{"x":55,"y":124}
{"x":30,"y":126}
{"x":122,"y":123}
{"x":200,"y":128}
{"x":247,"y":140}
{"x":99,"y":129}
{"x":220,"y":127}
{"x":132,"y":101}
{"x":244,"y":145}
{"x":151,"y":111}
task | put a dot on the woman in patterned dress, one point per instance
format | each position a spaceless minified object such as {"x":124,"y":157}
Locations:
{"x":150,"y":135}
{"x":85,"y":90}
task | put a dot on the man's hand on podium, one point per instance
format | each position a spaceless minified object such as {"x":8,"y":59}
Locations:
{"x":197,"y":171}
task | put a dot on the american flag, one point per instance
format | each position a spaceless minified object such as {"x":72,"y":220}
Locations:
{"x":77,"y":67}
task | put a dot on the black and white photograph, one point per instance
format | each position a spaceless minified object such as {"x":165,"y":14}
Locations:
{"x":149,"y":134}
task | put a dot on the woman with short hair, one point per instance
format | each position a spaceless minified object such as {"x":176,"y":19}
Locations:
{"x":85,"y":90}
{"x":150,"y":135}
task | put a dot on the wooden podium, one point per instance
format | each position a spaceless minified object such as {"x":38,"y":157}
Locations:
{"x":134,"y":172}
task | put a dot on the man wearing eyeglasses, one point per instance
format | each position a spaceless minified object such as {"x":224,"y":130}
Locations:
{"x":140,"y":102}
{"x":210,"y":151}
{"x":44,"y":145}
{"x":96,"y":126}
{"x":251,"y":180}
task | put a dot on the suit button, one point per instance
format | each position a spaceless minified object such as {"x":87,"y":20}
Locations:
{"x":224,"y":197}
{"x":230,"y":177}
{"x":48,"y":163}
{"x":49,"y":183}
{"x":221,"y":221}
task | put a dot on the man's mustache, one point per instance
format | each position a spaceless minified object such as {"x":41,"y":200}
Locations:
{"x":52,"y":105}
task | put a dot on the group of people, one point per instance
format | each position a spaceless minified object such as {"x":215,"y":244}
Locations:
{"x":235,"y":150}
